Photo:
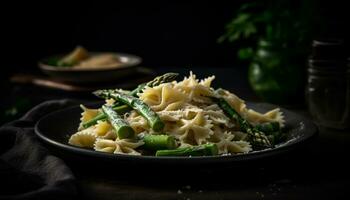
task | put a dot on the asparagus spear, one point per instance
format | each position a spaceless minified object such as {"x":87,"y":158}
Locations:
{"x":168,"y":77}
{"x":201,"y":150}
{"x":158,"y":142}
{"x":119,"y":109}
{"x":256,"y":137}
{"x":143,"y":109}
{"x":269,"y":127}
{"x":122,"y":129}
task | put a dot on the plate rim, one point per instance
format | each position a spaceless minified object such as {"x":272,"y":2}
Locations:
{"x":255,"y":155}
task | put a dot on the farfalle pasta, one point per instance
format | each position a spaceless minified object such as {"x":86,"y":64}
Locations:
{"x":190,"y":111}
{"x":118,"y":146}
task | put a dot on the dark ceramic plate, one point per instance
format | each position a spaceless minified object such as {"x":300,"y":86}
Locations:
{"x":55,"y":129}
{"x":92,"y":75}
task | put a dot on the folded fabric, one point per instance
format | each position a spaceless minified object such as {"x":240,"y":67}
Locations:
{"x":27,"y":169}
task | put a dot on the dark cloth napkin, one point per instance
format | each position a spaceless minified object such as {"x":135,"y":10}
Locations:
{"x":27,"y":170}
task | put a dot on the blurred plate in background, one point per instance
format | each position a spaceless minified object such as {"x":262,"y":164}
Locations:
{"x":127,"y":66}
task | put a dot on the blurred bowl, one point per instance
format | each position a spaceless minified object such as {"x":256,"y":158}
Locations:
{"x":127,"y":66}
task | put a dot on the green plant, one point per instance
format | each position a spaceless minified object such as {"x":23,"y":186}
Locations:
{"x":286,"y":24}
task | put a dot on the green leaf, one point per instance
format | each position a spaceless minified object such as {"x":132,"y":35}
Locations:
{"x":242,"y":18}
{"x":234,"y":37}
{"x":245,"y":53}
{"x":250,"y":29}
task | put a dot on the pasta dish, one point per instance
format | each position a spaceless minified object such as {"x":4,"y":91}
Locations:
{"x":165,"y":117}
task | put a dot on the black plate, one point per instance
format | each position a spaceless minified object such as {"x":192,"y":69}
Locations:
{"x":55,"y":129}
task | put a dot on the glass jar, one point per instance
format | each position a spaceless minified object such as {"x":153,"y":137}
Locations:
{"x":277,"y":74}
{"x":328,"y":85}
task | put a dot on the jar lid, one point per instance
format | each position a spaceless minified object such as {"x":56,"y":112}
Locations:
{"x":328,"y":49}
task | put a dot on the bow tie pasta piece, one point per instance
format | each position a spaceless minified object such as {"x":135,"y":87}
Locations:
{"x":228,"y":145}
{"x":128,"y":146}
{"x":87,"y":115}
{"x":163,"y":97}
{"x":194,"y":130}
{"x":137,"y":122}
{"x":85,"y":138}
{"x":274,"y":115}
{"x":105,"y":145}
{"x":217,"y":116}
{"x":195,"y":90}
{"x":118,"y":146}
{"x":238,"y":147}
{"x":104,"y":129}
{"x":218,"y":133}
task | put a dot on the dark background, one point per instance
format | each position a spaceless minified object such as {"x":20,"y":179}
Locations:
{"x":166,"y":34}
{"x":163,"y":33}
